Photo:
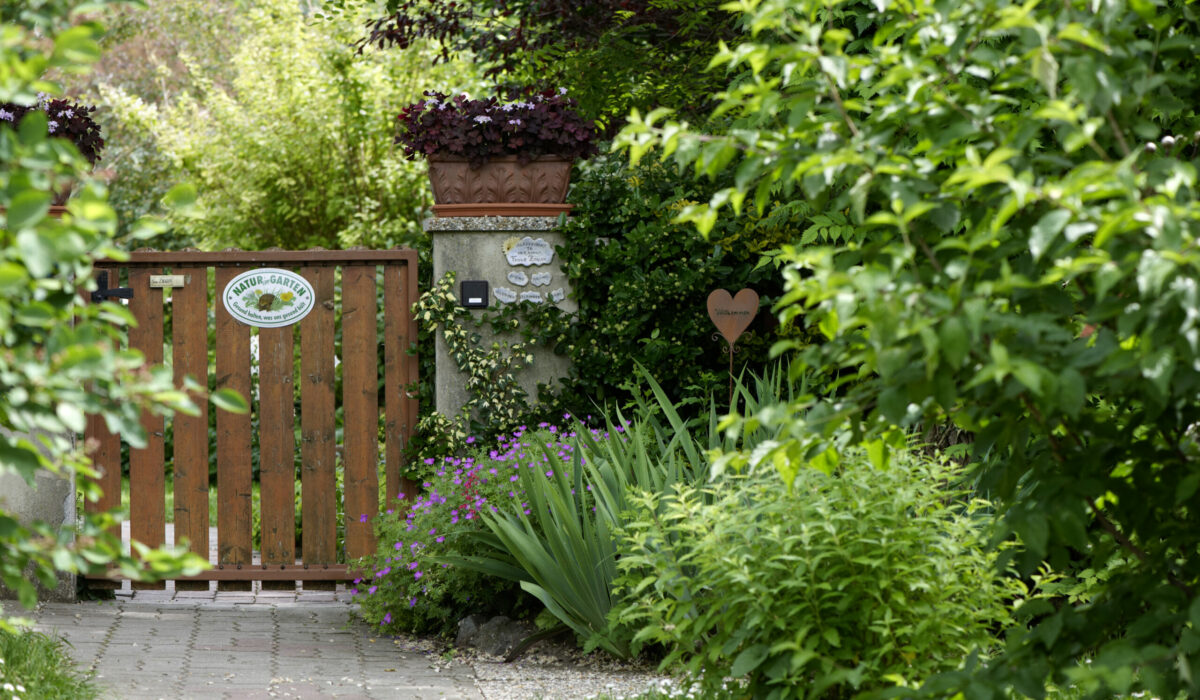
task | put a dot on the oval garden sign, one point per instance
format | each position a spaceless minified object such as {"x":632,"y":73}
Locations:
{"x":268,"y":297}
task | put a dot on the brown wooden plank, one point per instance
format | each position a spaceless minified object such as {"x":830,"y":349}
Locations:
{"x":360,"y":407}
{"x":258,"y":572}
{"x":234,"y":477}
{"x":257,"y":257}
{"x":106,"y":459}
{"x":394,"y":345}
{"x":412,"y":368}
{"x":105,"y":448}
{"x":189,"y":345}
{"x":318,"y":484}
{"x":277,"y":446}
{"x":147,"y":482}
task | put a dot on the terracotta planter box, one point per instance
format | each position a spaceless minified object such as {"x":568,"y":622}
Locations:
{"x":501,"y":187}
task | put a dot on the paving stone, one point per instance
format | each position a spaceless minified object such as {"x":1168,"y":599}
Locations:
{"x":162,"y":644}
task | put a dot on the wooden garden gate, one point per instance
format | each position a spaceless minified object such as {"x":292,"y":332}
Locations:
{"x":355,"y":278}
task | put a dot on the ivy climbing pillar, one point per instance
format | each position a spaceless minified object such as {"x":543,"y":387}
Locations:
{"x":517,"y":259}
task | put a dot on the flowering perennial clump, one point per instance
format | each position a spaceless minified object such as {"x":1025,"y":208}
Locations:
{"x":403,"y":587}
{"x":545,"y":124}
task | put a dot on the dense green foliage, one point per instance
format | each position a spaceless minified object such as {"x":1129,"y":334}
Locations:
{"x":642,"y":281}
{"x":848,"y":583}
{"x":1021,"y":261}
{"x":60,"y":359}
{"x":152,"y":53}
{"x":585,"y":46}
{"x":34,"y":666}
{"x":290,"y":143}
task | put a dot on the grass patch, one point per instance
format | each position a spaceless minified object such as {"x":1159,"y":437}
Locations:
{"x":34,"y":665}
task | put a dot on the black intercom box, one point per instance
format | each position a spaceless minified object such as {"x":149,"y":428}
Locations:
{"x":474,"y":294}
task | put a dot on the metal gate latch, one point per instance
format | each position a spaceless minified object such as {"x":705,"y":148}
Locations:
{"x":103,"y":292}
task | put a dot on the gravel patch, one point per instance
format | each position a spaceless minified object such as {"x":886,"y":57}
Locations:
{"x":548,"y":671}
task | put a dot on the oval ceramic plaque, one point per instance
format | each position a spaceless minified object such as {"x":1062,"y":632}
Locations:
{"x":268,"y":297}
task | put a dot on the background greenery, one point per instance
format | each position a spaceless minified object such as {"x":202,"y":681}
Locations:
{"x":1019,"y":182}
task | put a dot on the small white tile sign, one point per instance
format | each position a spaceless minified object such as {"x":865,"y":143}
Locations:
{"x":558,"y":295}
{"x":535,"y":297}
{"x":541,"y":279}
{"x":520,"y":278}
{"x":505,"y":294}
{"x":530,"y":251}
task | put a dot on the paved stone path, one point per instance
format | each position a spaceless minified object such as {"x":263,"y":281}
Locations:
{"x":265,"y":644}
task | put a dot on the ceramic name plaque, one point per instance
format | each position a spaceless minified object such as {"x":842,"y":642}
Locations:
{"x":520,"y":278}
{"x":505,"y":294}
{"x":541,"y":279}
{"x":529,"y":251}
{"x":535,"y":297}
{"x":558,"y":295}
{"x":268,"y":297}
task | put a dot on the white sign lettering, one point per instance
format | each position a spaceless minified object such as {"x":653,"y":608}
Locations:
{"x":505,"y":294}
{"x":520,"y":278}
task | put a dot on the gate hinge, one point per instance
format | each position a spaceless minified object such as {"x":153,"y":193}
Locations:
{"x":103,"y":291}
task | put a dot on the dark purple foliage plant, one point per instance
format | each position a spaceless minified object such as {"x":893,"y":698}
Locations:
{"x":543,"y":124}
{"x":65,"y":119}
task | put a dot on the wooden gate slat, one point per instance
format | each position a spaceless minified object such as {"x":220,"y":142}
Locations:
{"x":147,"y":479}
{"x":318,"y":512}
{"x":360,"y":406}
{"x":398,"y":370}
{"x":234,"y":477}
{"x":393,"y":380}
{"x":189,"y":345}
{"x":277,"y":446}
{"x":106,"y":449}
{"x":412,"y":367}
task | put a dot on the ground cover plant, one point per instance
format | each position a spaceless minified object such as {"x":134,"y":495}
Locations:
{"x":34,"y":666}
{"x":1021,"y":262}
{"x":404,"y":587}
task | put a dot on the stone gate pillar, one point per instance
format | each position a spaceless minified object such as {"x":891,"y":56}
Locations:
{"x":51,"y":500}
{"x":517,"y":259}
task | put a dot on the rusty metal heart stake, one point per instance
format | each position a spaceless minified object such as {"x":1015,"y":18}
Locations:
{"x":732,"y":315}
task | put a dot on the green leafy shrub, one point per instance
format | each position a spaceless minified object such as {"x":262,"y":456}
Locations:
{"x":844,"y":583}
{"x":1021,"y":180}
{"x":560,"y":543}
{"x":61,"y":360}
{"x":290,"y":142}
